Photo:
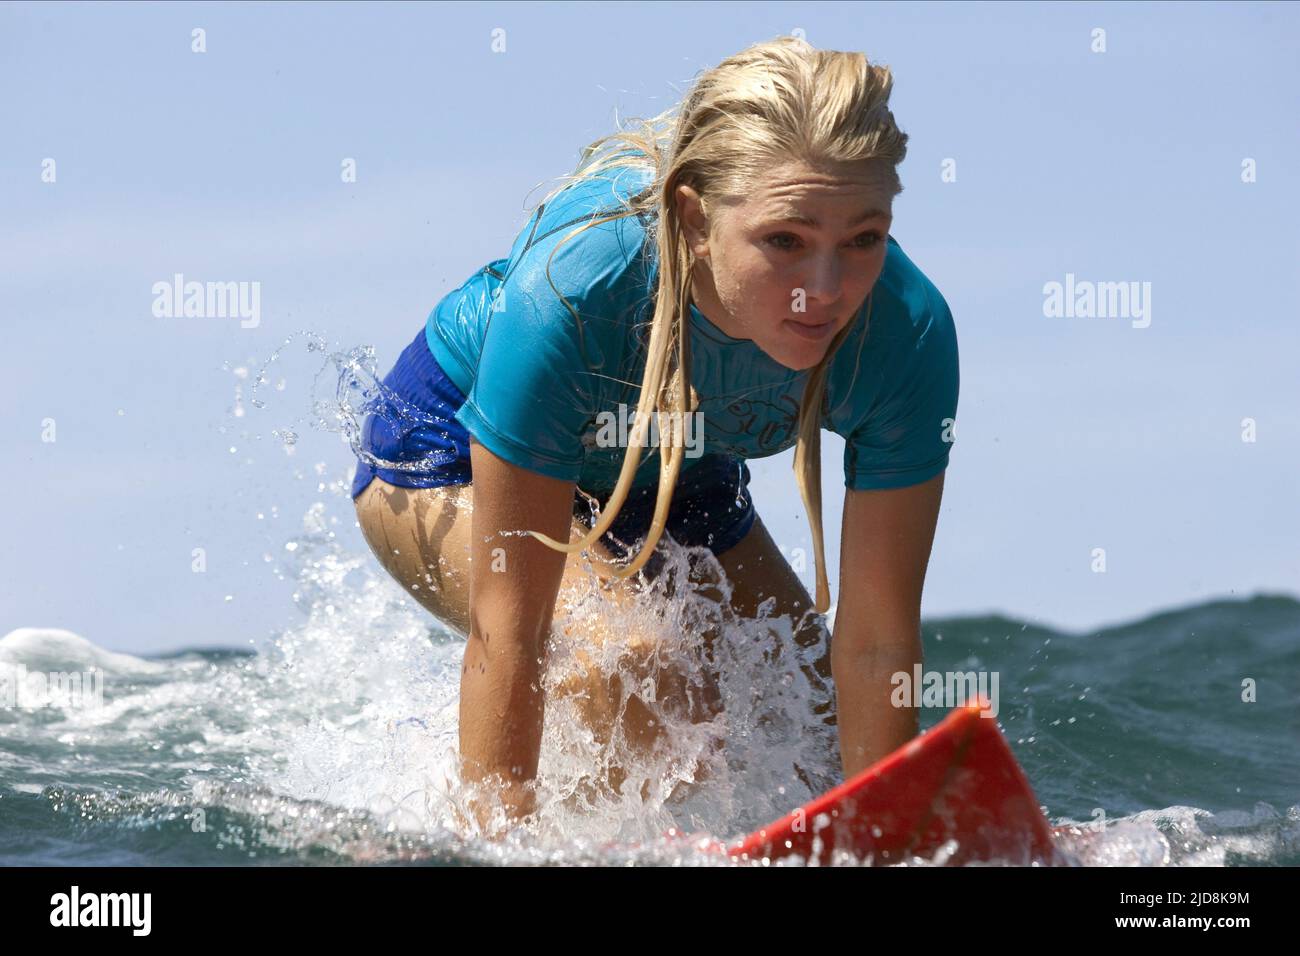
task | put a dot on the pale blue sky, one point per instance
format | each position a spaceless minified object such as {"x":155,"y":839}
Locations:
{"x":1073,"y":433}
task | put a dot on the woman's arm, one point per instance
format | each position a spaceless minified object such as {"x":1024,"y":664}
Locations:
{"x":884,"y":551}
{"x":514,"y":580}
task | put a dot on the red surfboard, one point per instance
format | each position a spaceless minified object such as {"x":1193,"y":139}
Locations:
{"x":957,"y":782}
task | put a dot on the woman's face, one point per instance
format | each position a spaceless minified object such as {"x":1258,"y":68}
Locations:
{"x":790,"y":264}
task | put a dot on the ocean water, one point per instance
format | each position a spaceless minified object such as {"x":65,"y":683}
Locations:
{"x":335,"y":742}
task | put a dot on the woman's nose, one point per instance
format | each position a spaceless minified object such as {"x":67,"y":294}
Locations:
{"x":822,"y":282}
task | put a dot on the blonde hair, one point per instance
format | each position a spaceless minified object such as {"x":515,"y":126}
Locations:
{"x":774,"y":102}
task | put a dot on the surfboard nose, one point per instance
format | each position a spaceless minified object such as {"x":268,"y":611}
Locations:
{"x":955,"y":794}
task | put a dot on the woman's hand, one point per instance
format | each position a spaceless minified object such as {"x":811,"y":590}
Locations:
{"x":485,"y":804}
{"x":884,"y":552}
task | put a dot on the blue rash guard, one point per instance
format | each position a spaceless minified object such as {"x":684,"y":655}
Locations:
{"x":535,"y":380}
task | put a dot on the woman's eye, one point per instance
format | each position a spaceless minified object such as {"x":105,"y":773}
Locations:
{"x":776,"y":240}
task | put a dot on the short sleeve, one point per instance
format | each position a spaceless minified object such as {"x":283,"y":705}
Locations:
{"x":545,"y":367}
{"x":554,"y":336}
{"x":532,"y":394}
{"x":907,"y":434}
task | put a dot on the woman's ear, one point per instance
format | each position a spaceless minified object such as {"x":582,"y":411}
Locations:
{"x":690,"y":213}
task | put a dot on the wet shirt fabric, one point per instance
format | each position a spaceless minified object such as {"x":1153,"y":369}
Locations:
{"x":415,"y":441}
{"x":548,"y":392}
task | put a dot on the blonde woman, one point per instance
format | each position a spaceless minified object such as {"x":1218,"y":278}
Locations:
{"x":730,"y":269}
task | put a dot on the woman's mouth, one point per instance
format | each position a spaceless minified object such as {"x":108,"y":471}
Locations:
{"x":810,"y":331}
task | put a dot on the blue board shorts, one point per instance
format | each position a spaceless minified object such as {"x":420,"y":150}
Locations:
{"x":711,"y":505}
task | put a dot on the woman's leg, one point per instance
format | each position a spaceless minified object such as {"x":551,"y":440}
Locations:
{"x":421,"y":537}
{"x":757,"y":571}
